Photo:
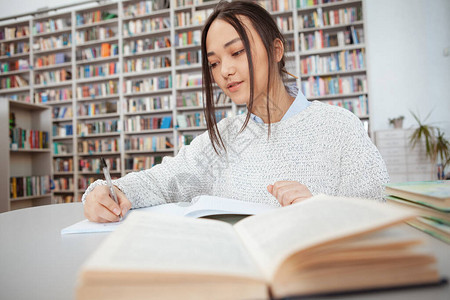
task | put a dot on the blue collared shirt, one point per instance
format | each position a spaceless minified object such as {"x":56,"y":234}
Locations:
{"x":300,"y":103}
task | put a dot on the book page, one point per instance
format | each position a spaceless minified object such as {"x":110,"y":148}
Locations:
{"x":155,"y":243}
{"x":271,"y":237}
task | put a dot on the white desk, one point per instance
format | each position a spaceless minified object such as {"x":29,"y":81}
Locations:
{"x":36,"y":262}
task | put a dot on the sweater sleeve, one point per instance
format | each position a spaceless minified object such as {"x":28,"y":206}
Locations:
{"x":176,"y":179}
{"x":363,"y":171}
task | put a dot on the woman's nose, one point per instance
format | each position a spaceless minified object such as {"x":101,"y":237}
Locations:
{"x":228,"y":69}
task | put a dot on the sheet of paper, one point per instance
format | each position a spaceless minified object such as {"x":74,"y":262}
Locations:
{"x":199,"y":207}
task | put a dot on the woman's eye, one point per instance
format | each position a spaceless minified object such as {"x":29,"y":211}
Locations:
{"x":213,"y":65}
{"x":238,"y":52}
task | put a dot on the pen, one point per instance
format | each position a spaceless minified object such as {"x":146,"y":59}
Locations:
{"x":108,"y":181}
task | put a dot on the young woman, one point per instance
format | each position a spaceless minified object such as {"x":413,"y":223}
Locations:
{"x":284,"y":150}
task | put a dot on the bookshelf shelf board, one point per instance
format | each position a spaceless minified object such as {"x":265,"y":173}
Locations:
{"x":58,"y":102}
{"x":29,"y":197}
{"x":188,"y":88}
{"x":146,"y":34}
{"x":63,"y":191}
{"x":26,"y":105}
{"x":14,"y":56}
{"x":149,"y":151}
{"x":329,"y":5}
{"x":155,"y":92}
{"x":192,"y":128}
{"x":59,"y":138}
{"x":326,"y":97}
{"x":206,"y":4}
{"x":16,"y":72}
{"x":168,"y":130}
{"x":96,"y":42}
{"x":62,"y":120}
{"x":47,"y":51}
{"x":98,"y":173}
{"x":17,"y":39}
{"x":60,"y":15}
{"x":100,"y":116}
{"x":99,"y":153}
{"x":63,"y":173}
{"x":187,"y":47}
{"x":149,"y":52}
{"x":93,"y":135}
{"x":112,"y":96}
{"x":29,"y":150}
{"x":55,"y":66}
{"x":330,"y":27}
{"x":188,"y":108}
{"x":281,"y":13}
{"x":98,"y":78}
{"x":150,"y":112}
{"x":363,"y":116}
{"x":332,"y":49}
{"x":188,"y":27}
{"x":97,"y":59}
{"x":56,"y":32}
{"x":63,"y":155}
{"x":149,"y":72}
{"x":53,"y":84}
{"x":157,"y":13}
{"x":188,"y":67}
{"x":14,"y":90}
{"x":334,"y":73}
{"x":100,"y":23}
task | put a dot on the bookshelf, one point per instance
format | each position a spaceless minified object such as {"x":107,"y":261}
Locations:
{"x":26,"y":162}
{"x":123,"y":80}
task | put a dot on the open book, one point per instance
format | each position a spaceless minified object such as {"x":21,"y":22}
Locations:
{"x":321,"y":245}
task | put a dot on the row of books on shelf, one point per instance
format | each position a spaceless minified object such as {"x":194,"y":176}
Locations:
{"x":63,"y":112}
{"x":63,"y":165}
{"x":9,"y":66}
{"x":51,"y":77}
{"x":7,"y":33}
{"x":188,"y":38}
{"x":188,"y":80}
{"x":96,"y":127}
{"x":138,"y":123}
{"x":148,"y":84}
{"x":51,"y":59}
{"x":181,"y":3}
{"x":99,"y":108}
{"x":104,"y":50}
{"x":95,"y":34}
{"x":148,"y":104}
{"x":9,"y":49}
{"x":148,"y":143}
{"x":146,"y":44}
{"x":94,"y":17}
{"x":320,"y":18}
{"x":62,"y":148}
{"x":284,"y":23}
{"x":323,"y":86}
{"x":340,"y":61}
{"x":28,"y":186}
{"x":192,"y":18}
{"x":431,"y":202}
{"x":94,"y":165}
{"x":45,"y":96}
{"x":63,"y":198}
{"x":89,"y":71}
{"x":85,"y":181}
{"x":98,"y":89}
{"x":146,"y":63}
{"x":52,"y":42}
{"x":51,"y":25}
{"x":191,"y":120}
{"x":319,"y":40}
{"x":308,"y":3}
{"x":62,"y":130}
{"x":276,"y":5}
{"x":190,"y":99}
{"x":28,"y":139}
{"x":140,"y":26}
{"x":98,"y":146}
{"x":359,"y":106}
{"x":63,"y":183}
{"x":189,"y":57}
{"x":139,"y":163}
{"x":145,"y":7}
{"x":186,"y":139}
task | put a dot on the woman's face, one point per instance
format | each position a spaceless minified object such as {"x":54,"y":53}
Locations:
{"x":228,"y":61}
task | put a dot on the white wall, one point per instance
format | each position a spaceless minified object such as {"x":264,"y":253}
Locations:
{"x":407,"y":68}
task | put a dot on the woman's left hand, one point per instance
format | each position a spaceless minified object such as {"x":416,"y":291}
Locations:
{"x":289,"y":192}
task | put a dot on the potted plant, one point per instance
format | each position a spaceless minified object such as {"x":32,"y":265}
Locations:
{"x":397,"y":122}
{"x":436,"y":145}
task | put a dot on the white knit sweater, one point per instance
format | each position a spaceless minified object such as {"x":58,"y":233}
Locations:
{"x":324,"y":147}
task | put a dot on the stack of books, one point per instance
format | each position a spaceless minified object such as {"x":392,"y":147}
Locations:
{"x":431,"y":202}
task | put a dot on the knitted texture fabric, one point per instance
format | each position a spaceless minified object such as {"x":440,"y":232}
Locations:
{"x":324,"y":147}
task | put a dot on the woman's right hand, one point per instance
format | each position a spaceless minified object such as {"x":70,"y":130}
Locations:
{"x":100,"y":207}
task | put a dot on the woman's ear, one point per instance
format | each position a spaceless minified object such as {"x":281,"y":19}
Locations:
{"x":278,"y":49}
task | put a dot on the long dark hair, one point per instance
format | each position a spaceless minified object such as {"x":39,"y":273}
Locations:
{"x":267,"y":29}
